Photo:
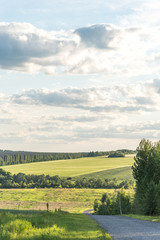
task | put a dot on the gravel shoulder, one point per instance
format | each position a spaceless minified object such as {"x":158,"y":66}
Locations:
{"x":125,"y":228}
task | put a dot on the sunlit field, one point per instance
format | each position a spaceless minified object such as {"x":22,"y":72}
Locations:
{"x":72,"y":200}
{"x":71,"y":167}
{"x":122,"y":173}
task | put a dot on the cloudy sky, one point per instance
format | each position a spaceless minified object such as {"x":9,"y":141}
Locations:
{"x":79,"y":75}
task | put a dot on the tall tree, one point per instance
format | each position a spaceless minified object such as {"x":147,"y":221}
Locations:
{"x":146,"y":171}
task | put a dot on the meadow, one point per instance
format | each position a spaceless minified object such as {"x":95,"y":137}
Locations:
{"x":71,"y":200}
{"x":122,"y":173}
{"x":75,"y":167}
{"x":49,"y":225}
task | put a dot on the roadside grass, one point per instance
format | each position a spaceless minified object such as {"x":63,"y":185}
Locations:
{"x":142,"y":217}
{"x":72,"y":167}
{"x":71,"y":200}
{"x":49,"y":225}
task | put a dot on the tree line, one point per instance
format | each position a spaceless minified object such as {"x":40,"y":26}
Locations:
{"x":19,"y":157}
{"x":146,"y":172}
{"x":21,"y":180}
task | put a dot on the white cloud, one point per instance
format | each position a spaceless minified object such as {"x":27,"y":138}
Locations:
{"x":144,"y":13}
{"x":131,"y":98}
{"x":92,"y":49}
{"x":86,"y":116}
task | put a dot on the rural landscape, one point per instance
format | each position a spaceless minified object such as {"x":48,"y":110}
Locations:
{"x":48,"y":200}
{"x":80,"y":120}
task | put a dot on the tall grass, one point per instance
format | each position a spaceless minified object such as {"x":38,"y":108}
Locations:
{"x":49,"y":226}
{"x":72,"y":200}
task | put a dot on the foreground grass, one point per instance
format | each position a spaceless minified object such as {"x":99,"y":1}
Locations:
{"x":72,"y":200}
{"x":147,"y":218}
{"x":71,"y":167}
{"x":48,"y":225}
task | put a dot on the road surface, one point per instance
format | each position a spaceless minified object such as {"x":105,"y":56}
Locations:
{"x":125,"y":228}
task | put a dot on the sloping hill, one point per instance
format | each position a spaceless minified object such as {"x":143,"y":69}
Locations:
{"x":73,"y":167}
{"x":122,"y":173}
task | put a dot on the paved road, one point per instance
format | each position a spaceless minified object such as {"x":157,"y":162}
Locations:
{"x":125,"y":228}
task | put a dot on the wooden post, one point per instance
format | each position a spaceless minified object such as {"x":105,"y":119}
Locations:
{"x":47,"y":207}
{"x":120,"y":206}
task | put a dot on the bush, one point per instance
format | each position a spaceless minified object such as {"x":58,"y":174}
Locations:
{"x":111,"y":204}
{"x":14,"y":228}
{"x":116,"y":155}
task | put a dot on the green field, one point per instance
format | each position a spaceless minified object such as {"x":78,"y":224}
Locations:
{"x":72,"y":167}
{"x":71,"y":200}
{"x":122,"y":173}
{"x":48,"y":225}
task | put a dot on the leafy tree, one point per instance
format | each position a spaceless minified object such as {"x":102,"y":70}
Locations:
{"x":110,"y":204}
{"x":125,"y":201}
{"x":146,"y":171}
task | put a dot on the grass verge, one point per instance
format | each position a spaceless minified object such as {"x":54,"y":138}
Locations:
{"x":49,"y":225}
{"x":147,"y":218}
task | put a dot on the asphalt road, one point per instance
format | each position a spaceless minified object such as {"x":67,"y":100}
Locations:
{"x":125,"y":228}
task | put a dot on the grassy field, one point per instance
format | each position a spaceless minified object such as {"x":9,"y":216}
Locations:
{"x":71,"y":200}
{"x":122,"y":173}
{"x":73,"y":167}
{"x":47,"y":226}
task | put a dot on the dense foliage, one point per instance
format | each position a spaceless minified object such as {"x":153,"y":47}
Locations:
{"x":21,"y":180}
{"x":11,"y":158}
{"x":15,"y":157}
{"x":116,"y":154}
{"x":146,"y":171}
{"x":112,"y":204}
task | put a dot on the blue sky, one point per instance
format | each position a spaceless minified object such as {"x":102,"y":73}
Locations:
{"x":79,"y":75}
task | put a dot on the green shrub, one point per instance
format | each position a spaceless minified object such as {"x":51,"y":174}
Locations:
{"x":116,"y":155}
{"x":14,"y":228}
{"x":111,"y":204}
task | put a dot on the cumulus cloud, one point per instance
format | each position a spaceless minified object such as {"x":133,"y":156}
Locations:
{"x":23,"y":46}
{"x":132,"y":130}
{"x":87,"y":50}
{"x":72,"y":116}
{"x":130,"y":98}
{"x":98,"y":36}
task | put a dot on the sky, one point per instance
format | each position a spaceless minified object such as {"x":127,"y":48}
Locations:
{"x":79,"y":75}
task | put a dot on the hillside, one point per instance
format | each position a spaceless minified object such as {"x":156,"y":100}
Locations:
{"x":8,"y":157}
{"x":72,"y":167}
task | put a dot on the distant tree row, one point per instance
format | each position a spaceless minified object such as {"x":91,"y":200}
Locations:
{"x":20,"y":158}
{"x":21,"y":180}
{"x":117,"y":154}
{"x":15,"y":157}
